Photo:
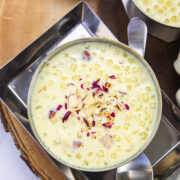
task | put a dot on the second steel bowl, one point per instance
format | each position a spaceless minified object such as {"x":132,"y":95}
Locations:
{"x":164,"y":32}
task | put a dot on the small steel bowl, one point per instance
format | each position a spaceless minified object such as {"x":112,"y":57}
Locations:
{"x":164,"y":32}
{"x":142,"y":61}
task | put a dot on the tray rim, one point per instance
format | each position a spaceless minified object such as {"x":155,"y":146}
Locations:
{"x":20,"y":53}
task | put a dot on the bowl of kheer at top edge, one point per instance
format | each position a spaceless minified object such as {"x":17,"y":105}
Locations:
{"x":94,"y":104}
{"x":161,"y":16}
{"x":166,"y":12}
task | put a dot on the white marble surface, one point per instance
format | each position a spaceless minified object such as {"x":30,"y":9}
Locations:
{"x":12,"y":167}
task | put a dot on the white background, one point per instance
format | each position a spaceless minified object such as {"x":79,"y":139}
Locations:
{"x":12,"y":167}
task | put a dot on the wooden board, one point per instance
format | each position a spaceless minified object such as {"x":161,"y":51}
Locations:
{"x":21,"y":22}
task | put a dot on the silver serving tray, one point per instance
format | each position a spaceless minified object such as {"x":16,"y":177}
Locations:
{"x":82,"y":22}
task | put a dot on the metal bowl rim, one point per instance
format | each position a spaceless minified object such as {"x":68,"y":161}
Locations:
{"x":101,"y":40}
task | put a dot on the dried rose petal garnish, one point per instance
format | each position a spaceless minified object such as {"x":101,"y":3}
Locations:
{"x":127,"y":107}
{"x":77,"y":111}
{"x":77,"y":144}
{"x":51,"y":114}
{"x":113,"y":114}
{"x":95,"y":84}
{"x":93,"y":132}
{"x":82,"y":86}
{"x":93,"y":123}
{"x":107,"y":125}
{"x":65,"y":105}
{"x":78,"y":117}
{"x":85,"y":120}
{"x":107,"y":84}
{"x":86,"y":55}
{"x":88,"y":134}
{"x":101,"y":95}
{"x":66,"y":116}
{"x":112,"y":77}
{"x":98,"y":89}
{"x":59,"y":108}
{"x":105,"y":89}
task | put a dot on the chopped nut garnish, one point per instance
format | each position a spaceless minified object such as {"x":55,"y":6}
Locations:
{"x":89,"y":100}
{"x":107,"y":141}
{"x":79,"y":103}
{"x":72,"y":101}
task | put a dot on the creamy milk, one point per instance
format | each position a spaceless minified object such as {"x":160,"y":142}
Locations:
{"x":164,"y":11}
{"x":94,"y":105}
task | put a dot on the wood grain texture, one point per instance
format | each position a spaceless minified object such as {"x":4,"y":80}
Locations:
{"x":22,"y":21}
{"x":34,"y":157}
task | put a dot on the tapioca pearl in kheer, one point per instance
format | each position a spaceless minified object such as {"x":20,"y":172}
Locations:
{"x":163,"y":11}
{"x":94,"y":105}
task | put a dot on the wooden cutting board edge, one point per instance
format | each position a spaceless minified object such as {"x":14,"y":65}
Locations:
{"x":9,"y":127}
{"x":8,"y":120}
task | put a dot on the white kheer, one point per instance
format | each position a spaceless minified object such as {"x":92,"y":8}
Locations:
{"x":93,"y":105}
{"x":163,"y":11}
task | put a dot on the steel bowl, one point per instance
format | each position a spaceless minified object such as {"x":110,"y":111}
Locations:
{"x":142,"y":61}
{"x":164,"y":32}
